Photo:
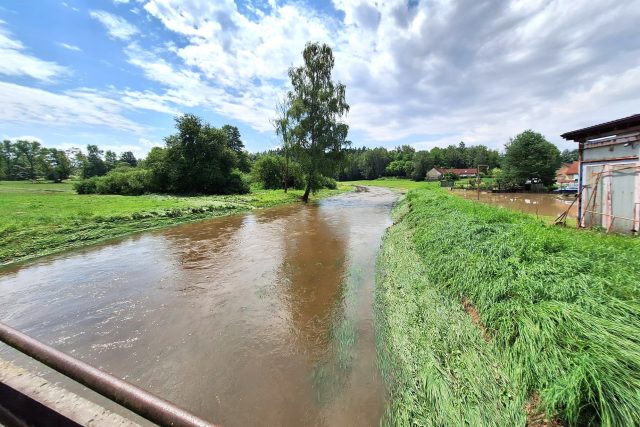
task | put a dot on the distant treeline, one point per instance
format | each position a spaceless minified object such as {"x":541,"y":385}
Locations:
{"x":402,"y":162}
{"x":405,"y":161}
{"x":200,"y":158}
{"x":29,"y":160}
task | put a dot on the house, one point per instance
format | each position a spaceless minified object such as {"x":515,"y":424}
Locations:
{"x":609,"y":174}
{"x":567,"y":175}
{"x":437,"y":173}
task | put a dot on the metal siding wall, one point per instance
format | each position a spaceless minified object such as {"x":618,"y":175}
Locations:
{"x":622,"y":197}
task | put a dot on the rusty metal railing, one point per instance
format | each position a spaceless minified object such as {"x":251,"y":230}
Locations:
{"x":137,"y":400}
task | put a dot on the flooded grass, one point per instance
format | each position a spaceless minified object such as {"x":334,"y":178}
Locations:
{"x":540,"y":205}
{"x":43,"y":218}
{"x":561,"y":308}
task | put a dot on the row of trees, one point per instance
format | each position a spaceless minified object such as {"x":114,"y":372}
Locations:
{"x":24,"y":160}
{"x":29,"y":160}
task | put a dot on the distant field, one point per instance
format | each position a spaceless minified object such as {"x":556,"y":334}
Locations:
{"x":42,"y":218}
{"x":401,"y":184}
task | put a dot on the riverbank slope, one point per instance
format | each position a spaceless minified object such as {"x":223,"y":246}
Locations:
{"x":42,"y":218}
{"x":490,"y":317}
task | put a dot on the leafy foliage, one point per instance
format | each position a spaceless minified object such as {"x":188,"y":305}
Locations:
{"x":569,"y":156}
{"x":404,"y":161}
{"x":93,"y":164}
{"x":198,"y":158}
{"x":269,"y":170}
{"x":530,"y":157}
{"x":316,"y":106}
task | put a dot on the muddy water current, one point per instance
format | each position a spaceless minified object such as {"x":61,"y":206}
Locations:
{"x":256,"y":319}
{"x":550,"y":205}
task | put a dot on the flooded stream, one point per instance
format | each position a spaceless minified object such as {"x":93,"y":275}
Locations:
{"x":256,"y":319}
{"x":550,"y":205}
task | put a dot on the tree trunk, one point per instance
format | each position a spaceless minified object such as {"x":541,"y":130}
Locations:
{"x":286,"y":172}
{"x":305,"y":196}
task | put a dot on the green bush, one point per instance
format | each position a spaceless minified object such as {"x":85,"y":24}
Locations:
{"x":125,"y":181}
{"x":329,"y":183}
{"x":236,"y":183}
{"x":269,"y":170}
{"x":85,"y":186}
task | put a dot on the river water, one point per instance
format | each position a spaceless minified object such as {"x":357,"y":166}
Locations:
{"x":256,"y":319}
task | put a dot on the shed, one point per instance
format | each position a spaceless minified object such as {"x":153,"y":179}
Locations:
{"x":609,"y":174}
{"x":434,"y":174}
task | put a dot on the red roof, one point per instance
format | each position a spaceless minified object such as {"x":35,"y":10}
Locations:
{"x":459,"y":171}
{"x":573,"y":168}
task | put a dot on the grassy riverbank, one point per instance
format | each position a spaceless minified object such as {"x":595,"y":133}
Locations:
{"x":43,"y":218}
{"x":488,"y":317}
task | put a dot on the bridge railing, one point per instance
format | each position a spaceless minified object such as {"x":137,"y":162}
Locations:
{"x":135,"y":399}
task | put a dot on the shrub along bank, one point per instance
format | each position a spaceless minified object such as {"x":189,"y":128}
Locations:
{"x":557,"y":318}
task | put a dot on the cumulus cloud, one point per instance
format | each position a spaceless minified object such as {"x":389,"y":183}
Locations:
{"x":426,"y":71}
{"x":78,"y":107}
{"x":16,"y":61}
{"x":440,"y":71}
{"x":22,"y":104}
{"x":117,"y":27}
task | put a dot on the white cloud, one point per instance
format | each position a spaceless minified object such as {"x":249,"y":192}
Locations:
{"x":430,"y":71}
{"x":79,"y":107}
{"x":14,"y":61}
{"x":22,"y":138}
{"x":190,"y":89}
{"x":70,"y":47}
{"x":117,"y":27}
{"x":479,"y":72}
{"x":65,"y":4}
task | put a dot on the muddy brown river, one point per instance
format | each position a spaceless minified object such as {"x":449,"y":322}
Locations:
{"x":257,"y":319}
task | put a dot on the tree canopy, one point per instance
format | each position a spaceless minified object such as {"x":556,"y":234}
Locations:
{"x":530,"y":157}
{"x":317,"y":104}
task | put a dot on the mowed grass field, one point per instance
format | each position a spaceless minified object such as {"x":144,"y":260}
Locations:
{"x":42,"y":218}
{"x":395,"y":183}
{"x":490,"y":317}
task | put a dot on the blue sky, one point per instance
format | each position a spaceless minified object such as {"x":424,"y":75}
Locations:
{"x":419,"y":72}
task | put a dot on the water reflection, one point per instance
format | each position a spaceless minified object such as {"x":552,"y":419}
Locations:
{"x":231,"y":318}
{"x":550,"y":205}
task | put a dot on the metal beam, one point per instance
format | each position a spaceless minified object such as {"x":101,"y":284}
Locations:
{"x":137,"y":400}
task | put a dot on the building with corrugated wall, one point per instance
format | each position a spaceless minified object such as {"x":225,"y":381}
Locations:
{"x":609,"y":179}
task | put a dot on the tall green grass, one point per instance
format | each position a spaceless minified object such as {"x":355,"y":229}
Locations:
{"x":439,"y":368}
{"x":561,"y":305}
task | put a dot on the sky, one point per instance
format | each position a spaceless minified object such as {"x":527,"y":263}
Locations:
{"x":420,"y":72}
